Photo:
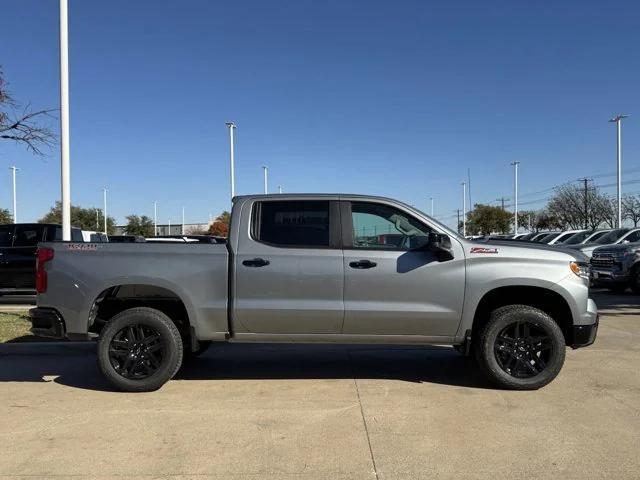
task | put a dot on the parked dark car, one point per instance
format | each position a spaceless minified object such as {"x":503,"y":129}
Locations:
{"x":126,"y":239}
{"x":18,"y":245}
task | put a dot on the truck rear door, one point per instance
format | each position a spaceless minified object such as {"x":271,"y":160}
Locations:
{"x":289,"y":272}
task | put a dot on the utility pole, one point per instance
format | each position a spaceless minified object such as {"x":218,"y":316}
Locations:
{"x":155,"y":219}
{"x":586,"y":201}
{"x":182,"y":230}
{"x":232,"y":127}
{"x":618,"y":121}
{"x":14,"y":169}
{"x":501,"y":200}
{"x":458,"y":222}
{"x":265,"y":171}
{"x":97,"y":219}
{"x":515,"y":197}
{"x":431,"y":198}
{"x":104,"y":192}
{"x":464,"y":209}
{"x":64,"y":123}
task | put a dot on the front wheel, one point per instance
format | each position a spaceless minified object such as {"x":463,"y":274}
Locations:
{"x":139,"y":350}
{"x":520,"y":348}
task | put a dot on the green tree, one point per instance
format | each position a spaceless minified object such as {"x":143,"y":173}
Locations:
{"x":5,"y":216}
{"x":139,"y":225}
{"x":84,"y":218}
{"x":486,"y":219}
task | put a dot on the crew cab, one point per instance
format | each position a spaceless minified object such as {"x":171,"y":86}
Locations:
{"x":318,"y":269}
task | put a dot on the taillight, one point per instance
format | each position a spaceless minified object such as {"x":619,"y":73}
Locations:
{"x":43,"y":256}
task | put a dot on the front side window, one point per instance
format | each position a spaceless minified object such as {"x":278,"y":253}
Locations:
{"x":27,"y":235}
{"x":292,"y":223}
{"x":380,"y":227}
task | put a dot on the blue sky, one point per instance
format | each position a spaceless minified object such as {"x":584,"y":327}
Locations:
{"x":390,"y":98}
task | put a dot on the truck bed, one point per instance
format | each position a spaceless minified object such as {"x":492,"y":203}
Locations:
{"x":191,"y":276}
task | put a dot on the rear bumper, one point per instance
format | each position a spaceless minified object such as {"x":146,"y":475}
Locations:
{"x":46,"y":322}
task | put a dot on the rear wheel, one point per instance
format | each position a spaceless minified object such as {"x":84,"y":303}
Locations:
{"x":139,"y":350}
{"x":520,"y":348}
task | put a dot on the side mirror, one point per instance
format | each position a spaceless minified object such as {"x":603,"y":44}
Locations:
{"x":440,"y":244}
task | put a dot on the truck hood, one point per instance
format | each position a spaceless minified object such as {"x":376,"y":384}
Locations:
{"x":619,"y":247}
{"x":526,"y":247}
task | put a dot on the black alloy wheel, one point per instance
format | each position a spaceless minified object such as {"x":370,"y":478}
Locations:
{"x":523,"y":349}
{"x":136,"y":351}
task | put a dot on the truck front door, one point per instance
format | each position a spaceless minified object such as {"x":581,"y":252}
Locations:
{"x":394,"y":286}
{"x":289,"y":272}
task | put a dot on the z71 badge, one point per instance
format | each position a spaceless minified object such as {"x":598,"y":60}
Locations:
{"x":484,"y":250}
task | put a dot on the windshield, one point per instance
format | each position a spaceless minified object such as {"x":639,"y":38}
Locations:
{"x":547,"y":238}
{"x":612,"y":236}
{"x":576,"y":238}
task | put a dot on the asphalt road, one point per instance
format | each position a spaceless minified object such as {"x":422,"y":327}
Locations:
{"x":326,"y":412}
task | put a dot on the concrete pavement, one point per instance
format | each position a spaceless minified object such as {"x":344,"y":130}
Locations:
{"x":325,"y":412}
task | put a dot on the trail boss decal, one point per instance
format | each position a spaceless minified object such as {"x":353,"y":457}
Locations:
{"x":483,"y":250}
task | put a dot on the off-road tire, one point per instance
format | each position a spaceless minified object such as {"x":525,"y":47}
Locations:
{"x":502,"y":318}
{"x":168,"y":336}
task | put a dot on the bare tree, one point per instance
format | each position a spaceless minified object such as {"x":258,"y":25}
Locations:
{"x":631,"y":209}
{"x":572,"y":210}
{"x":22,"y":124}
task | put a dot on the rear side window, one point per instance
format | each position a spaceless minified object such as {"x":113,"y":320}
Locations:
{"x":292,"y":223}
{"x":28,"y":235}
{"x":6,"y":235}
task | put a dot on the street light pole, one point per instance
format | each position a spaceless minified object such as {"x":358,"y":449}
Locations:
{"x":64,"y":123}
{"x":14,"y":169}
{"x":279,"y":188}
{"x":265,"y":170}
{"x":464,"y":209}
{"x":618,"y":121}
{"x":515,"y":196}
{"x":182,"y":230}
{"x":232,"y":127}
{"x":431,"y":206}
{"x":104,"y":192}
{"x":155,"y":219}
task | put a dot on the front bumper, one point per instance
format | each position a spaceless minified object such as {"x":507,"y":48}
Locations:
{"x":584,"y":335}
{"x":46,"y":322}
{"x":602,"y":276}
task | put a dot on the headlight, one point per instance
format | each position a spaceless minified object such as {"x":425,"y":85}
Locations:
{"x":581,"y":269}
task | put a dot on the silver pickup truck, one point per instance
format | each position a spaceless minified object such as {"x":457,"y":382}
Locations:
{"x":318,"y":268}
